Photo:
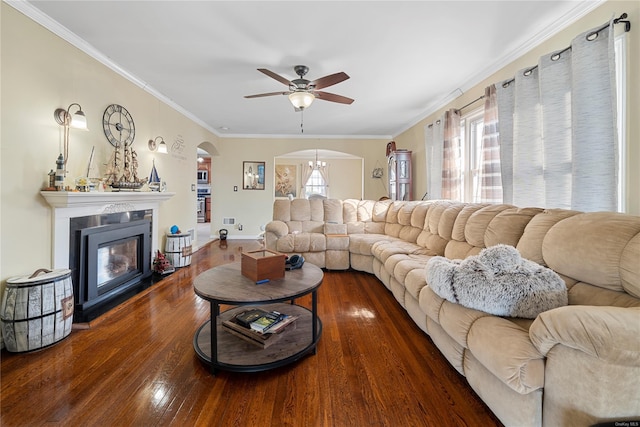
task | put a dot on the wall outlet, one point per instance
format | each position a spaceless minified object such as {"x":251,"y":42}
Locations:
{"x":240,"y":227}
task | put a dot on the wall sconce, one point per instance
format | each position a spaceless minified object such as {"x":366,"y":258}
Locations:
{"x":160,"y":147}
{"x":64,"y":118}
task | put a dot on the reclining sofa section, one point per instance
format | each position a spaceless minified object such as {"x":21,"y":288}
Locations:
{"x":574,"y":365}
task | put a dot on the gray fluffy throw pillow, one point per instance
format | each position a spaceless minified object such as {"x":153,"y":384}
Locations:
{"x":497,"y":281}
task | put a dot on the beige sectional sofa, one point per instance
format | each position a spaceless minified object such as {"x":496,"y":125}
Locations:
{"x":574,"y":365}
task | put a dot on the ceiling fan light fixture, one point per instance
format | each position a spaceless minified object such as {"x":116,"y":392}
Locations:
{"x":301,"y":99}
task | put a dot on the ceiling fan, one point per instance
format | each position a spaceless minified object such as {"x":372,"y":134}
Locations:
{"x":302,"y":92}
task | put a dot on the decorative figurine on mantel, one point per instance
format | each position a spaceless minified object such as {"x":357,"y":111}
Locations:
{"x":154,"y":179}
{"x":59,"y":179}
{"x":122,"y":169}
{"x":51,"y":181}
{"x":123,"y":177}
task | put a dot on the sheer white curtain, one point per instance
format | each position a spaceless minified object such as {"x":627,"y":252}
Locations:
{"x":324,"y":173}
{"x":434,"y":141}
{"x":305,"y":174}
{"x":557,"y":129}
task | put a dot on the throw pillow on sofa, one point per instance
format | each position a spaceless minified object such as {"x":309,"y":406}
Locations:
{"x":497,"y":281}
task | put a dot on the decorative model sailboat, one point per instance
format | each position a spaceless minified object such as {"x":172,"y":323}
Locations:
{"x":122,"y":171}
{"x":154,"y":179}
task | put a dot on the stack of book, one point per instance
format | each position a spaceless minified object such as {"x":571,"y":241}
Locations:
{"x":259,"y":327}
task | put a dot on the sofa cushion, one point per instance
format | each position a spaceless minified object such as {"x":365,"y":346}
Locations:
{"x":457,"y":233}
{"x":414,"y":279}
{"x":405,"y":266}
{"x":282,"y":210}
{"x":477,"y":225}
{"x":630,"y":267}
{"x":374,"y":228}
{"x":313,"y":227}
{"x":333,"y":211}
{"x":460,"y":250}
{"x":361,"y":243}
{"x":585,"y":294}
{"x":383,"y":249}
{"x":302,"y":242}
{"x":507,"y":227}
{"x":300,"y":210}
{"x":530,"y":244}
{"x":569,"y":250}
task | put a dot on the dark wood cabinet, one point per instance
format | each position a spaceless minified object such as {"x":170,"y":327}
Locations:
{"x":399,"y":168}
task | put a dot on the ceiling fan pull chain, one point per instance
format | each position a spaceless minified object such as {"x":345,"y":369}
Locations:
{"x":302,"y":121}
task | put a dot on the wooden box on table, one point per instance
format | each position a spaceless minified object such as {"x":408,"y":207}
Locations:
{"x":262,"y":265}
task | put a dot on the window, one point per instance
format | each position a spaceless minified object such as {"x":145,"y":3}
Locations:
{"x":315,"y":185}
{"x":471,"y":126}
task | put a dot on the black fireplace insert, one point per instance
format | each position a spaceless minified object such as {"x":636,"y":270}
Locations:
{"x":110,"y":260}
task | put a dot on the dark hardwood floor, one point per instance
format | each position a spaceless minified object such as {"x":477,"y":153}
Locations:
{"x":136,"y":366}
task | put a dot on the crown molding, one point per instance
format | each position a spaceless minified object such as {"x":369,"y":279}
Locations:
{"x":27,"y":9}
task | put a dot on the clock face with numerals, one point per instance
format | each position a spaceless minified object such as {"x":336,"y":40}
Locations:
{"x":118,"y":126}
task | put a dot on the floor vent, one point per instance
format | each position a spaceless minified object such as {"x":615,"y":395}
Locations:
{"x":228,"y":221}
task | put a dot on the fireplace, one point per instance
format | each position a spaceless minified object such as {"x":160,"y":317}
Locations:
{"x":110,"y":259}
{"x":81,"y":218}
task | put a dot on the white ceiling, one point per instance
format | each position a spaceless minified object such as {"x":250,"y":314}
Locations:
{"x":405,"y":59}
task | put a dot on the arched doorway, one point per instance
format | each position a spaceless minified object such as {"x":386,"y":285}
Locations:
{"x":204,"y":198}
{"x":345,"y":173}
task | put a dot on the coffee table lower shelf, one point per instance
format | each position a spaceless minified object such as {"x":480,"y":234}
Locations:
{"x":238,"y":355}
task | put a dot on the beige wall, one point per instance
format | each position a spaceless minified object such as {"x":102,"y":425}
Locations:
{"x":413,"y":138}
{"x":252,"y":208}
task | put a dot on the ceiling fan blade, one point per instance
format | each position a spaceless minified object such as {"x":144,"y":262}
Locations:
{"x":260,"y":95}
{"x":275,"y":76}
{"x":326,"y":96}
{"x":329,"y":80}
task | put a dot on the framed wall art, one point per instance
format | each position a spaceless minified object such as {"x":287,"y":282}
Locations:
{"x":286,"y":180}
{"x":253,"y":175}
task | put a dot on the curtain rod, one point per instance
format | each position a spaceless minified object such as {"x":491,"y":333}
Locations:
{"x":461,"y":108}
{"x":591,"y":36}
{"x":470,"y":103}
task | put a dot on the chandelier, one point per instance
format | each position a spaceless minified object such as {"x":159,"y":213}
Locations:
{"x":318,"y":164}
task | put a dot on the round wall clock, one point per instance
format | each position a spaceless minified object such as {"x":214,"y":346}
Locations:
{"x":118,"y":126}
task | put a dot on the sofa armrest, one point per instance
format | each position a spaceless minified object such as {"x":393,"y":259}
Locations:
{"x":611,"y":334}
{"x":279,"y":228}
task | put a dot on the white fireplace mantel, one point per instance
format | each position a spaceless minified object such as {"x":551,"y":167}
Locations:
{"x":66,"y":205}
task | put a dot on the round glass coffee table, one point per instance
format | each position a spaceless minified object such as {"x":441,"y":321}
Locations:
{"x":225,"y":284}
